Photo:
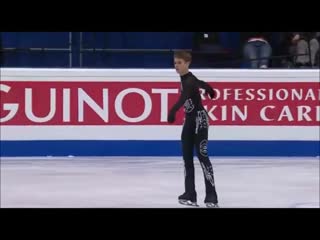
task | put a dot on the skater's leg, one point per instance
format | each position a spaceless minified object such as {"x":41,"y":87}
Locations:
{"x":201,"y":143}
{"x":189,"y":197}
{"x":187,"y":138}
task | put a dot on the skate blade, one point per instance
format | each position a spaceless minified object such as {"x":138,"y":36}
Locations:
{"x":212,"y":205}
{"x":188,"y":203}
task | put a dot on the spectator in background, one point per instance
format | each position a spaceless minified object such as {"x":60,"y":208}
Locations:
{"x":317,"y":60}
{"x":293,"y":43}
{"x":257,"y":46}
{"x":306,"y":45}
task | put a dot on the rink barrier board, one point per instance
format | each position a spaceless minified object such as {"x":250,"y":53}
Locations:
{"x":157,"y":148}
{"x":263,"y":137}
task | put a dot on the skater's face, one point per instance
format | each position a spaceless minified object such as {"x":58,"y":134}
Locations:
{"x":181,"y":65}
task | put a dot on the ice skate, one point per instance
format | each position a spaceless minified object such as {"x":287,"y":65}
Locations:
{"x":212,"y":205}
{"x":188,"y":199}
{"x":211,"y":201}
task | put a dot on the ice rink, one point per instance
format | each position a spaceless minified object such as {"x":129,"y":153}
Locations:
{"x":156,"y":182}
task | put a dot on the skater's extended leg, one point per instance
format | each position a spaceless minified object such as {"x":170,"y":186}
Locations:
{"x":201,"y":142}
{"x":187,"y":139}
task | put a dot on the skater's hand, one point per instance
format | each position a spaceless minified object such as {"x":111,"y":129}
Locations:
{"x":171,"y":117}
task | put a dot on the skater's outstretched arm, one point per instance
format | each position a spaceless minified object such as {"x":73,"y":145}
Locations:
{"x":186,"y":93}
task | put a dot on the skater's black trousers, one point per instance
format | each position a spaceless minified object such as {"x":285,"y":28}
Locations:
{"x":195,"y":136}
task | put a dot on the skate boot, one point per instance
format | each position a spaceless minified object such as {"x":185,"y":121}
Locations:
{"x":211,"y":201}
{"x":189,"y":199}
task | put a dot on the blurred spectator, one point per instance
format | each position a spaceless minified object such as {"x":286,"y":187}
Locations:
{"x":306,"y":46}
{"x":317,"y":60}
{"x":256,"y":45}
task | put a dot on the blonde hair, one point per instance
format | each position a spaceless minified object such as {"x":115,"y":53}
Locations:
{"x":186,"y":56}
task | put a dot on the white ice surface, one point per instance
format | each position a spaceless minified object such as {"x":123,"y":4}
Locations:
{"x":156,"y":182}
